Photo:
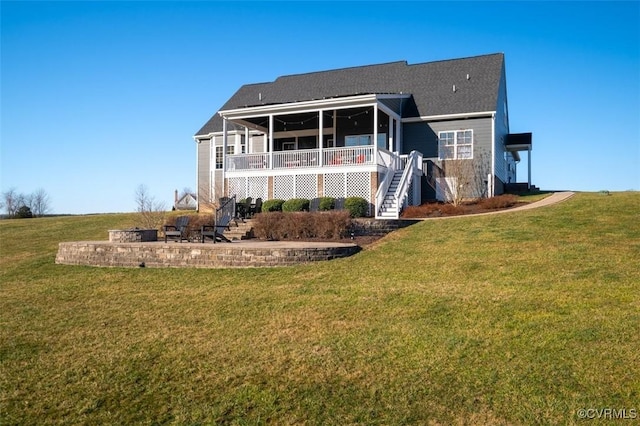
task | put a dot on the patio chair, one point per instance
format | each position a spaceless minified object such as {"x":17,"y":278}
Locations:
{"x":243,"y":208}
{"x":179,"y":230}
{"x":339,"y":204}
{"x":216,"y":231}
{"x":256,"y":207}
{"x":314,"y":205}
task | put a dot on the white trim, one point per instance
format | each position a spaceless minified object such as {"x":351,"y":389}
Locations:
{"x":448,"y":116}
{"x":493,"y":155}
{"x":298,"y":107}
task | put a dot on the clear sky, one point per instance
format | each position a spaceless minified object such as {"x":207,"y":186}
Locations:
{"x":100,"y":97}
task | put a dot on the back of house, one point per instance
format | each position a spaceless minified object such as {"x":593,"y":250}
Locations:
{"x":395,"y":134}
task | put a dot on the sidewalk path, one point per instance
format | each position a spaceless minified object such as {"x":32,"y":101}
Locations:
{"x":554,"y":198}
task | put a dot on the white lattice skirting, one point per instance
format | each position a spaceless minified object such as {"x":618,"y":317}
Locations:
{"x":337,"y":185}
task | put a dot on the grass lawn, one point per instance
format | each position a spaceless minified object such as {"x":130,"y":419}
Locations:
{"x":519,"y":318}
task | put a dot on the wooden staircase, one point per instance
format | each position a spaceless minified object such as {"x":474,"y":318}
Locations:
{"x":239,"y":230}
{"x":389,"y":206}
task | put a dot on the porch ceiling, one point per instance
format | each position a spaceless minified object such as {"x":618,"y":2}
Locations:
{"x":307,"y":110}
{"x":518,"y":142}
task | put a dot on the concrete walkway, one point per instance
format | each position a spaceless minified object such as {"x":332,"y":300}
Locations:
{"x":554,"y":198}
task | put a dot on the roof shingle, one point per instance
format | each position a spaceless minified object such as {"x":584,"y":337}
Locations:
{"x":476,"y":79}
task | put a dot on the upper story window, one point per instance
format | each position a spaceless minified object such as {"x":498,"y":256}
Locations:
{"x":219,"y":150}
{"x":455,"y":145}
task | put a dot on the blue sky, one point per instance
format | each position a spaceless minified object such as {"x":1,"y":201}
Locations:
{"x":100,"y":97}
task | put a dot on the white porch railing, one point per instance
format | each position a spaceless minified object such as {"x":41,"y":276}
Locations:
{"x":247,"y":161}
{"x":346,"y":156}
{"x":354,"y":155}
{"x":299,"y":158}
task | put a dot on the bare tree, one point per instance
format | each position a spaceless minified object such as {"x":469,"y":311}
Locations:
{"x":459,"y":174}
{"x":39,"y":202}
{"x":11,"y":201}
{"x":206,"y":200}
{"x":466,"y":178}
{"x":151,"y":212}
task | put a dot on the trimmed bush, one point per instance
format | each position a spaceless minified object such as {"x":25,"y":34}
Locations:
{"x":356,"y":206}
{"x":296,"y":205}
{"x":274,"y":205}
{"x":327,"y":203}
{"x":498,"y":202}
{"x":302,"y":225}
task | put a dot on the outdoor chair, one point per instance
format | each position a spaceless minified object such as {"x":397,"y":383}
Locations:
{"x":314,"y":205}
{"x":256,"y":207}
{"x":179,"y":230}
{"x":243,"y":208}
{"x":215,"y":231}
{"x":339,"y":204}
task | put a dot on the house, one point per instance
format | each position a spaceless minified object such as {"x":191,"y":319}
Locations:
{"x":187,"y":201}
{"x":384,"y":132}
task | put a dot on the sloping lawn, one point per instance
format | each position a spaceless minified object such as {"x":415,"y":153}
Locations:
{"x":519,"y":318}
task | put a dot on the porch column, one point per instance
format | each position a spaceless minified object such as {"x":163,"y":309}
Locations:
{"x":375,"y":133}
{"x":391,"y":135}
{"x":247,"y":145}
{"x":529,"y":167}
{"x":271,"y":141}
{"x":397,"y":141}
{"x":224,"y":154}
{"x":320,"y":135}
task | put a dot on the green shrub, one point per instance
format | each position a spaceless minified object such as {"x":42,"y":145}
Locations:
{"x":24,"y":212}
{"x":327,"y":203}
{"x":274,"y":205}
{"x":357,"y":206}
{"x":296,"y":205}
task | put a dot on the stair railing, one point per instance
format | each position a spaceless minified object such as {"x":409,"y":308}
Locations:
{"x":226,"y":210}
{"x":390,"y":161}
{"x":412,"y":167}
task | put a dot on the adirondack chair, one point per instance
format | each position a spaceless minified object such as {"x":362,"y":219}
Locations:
{"x":216,"y":231}
{"x":180,"y":229}
{"x":256,"y":207}
{"x":314,"y":205}
{"x":242,"y":208}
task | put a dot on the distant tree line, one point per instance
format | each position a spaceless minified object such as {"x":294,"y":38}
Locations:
{"x":19,"y":205}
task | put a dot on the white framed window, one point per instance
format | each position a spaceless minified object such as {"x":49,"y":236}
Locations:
{"x":219,"y":150}
{"x":218,"y":157}
{"x":455,"y":145}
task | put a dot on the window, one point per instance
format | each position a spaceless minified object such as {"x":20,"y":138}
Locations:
{"x":357,"y":140}
{"x":218,"y":157}
{"x":230,"y":151}
{"x":455,"y":145}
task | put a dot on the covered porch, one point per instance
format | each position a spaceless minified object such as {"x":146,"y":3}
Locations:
{"x":516,"y":143}
{"x":336,"y":132}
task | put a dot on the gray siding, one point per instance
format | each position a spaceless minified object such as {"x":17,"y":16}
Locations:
{"x":423,"y":136}
{"x":203,"y":150}
{"x":501,"y":132}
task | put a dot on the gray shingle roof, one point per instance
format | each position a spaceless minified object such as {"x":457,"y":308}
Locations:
{"x":430,"y":83}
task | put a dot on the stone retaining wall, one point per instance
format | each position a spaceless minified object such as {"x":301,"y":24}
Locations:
{"x":195,"y":255}
{"x":133,"y":235}
{"x":371,"y":226}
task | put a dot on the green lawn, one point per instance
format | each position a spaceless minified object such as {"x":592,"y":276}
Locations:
{"x":519,"y":318}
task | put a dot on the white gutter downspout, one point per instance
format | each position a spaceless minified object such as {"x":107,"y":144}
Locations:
{"x":320,"y":137}
{"x":197,"y":141}
{"x":270,"y":141}
{"x":224,"y":154}
{"x":492,"y":182}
